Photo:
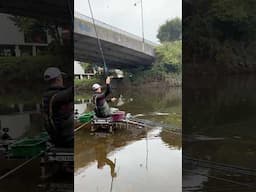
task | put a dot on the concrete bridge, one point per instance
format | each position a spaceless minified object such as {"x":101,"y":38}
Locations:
{"x":121,"y":49}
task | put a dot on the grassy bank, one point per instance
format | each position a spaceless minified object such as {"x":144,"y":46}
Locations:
{"x":31,"y":68}
{"x":155,"y":78}
{"x":85,"y":84}
{"x":165,"y":71}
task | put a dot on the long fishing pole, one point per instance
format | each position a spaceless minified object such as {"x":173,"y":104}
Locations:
{"x":221,"y":179}
{"x":98,"y":40}
{"x":147,"y":148}
{"x":20,"y":166}
{"x":112,"y":180}
{"x":80,"y":127}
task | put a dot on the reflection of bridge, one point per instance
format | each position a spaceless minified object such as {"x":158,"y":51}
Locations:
{"x":121,"y":49}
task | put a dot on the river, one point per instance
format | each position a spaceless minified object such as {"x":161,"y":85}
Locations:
{"x":132,"y":159}
{"x":219,"y":128}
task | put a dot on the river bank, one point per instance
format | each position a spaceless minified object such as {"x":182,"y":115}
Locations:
{"x":136,"y":82}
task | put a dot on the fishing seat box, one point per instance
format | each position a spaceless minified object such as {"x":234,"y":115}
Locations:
{"x":99,"y":120}
{"x":27,"y":148}
{"x":86,"y":117}
{"x":118,"y":116}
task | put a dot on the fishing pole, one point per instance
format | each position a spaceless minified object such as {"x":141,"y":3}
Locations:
{"x":20,"y":166}
{"x":98,"y":40}
{"x":221,"y":179}
{"x":147,"y":148}
{"x":112,"y":180}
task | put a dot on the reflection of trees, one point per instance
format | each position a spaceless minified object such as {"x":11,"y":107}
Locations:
{"x":234,"y":152}
{"x":219,"y":107}
{"x":172,"y":139}
{"x":215,"y":107}
{"x":151,"y":99}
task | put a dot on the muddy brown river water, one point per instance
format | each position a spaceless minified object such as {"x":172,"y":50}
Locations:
{"x":133,"y":159}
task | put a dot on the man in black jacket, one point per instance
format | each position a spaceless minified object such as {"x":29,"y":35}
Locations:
{"x":102,"y":108}
{"x":58,"y":109}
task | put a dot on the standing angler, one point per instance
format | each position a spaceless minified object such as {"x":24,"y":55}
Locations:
{"x":58,"y":109}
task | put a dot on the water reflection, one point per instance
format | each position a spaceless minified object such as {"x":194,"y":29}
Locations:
{"x":219,"y":126}
{"x":133,"y":159}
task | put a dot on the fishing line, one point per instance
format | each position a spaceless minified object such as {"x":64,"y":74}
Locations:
{"x":98,"y":40}
{"x":20,"y":166}
{"x":221,"y":166}
{"x":81,"y":126}
{"x":221,"y":179}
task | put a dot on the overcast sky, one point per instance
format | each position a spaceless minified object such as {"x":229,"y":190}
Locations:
{"x":124,"y":15}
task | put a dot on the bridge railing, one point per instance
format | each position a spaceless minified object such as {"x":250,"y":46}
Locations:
{"x":113,"y":28}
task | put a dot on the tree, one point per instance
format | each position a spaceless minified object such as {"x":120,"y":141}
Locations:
{"x":34,"y":31}
{"x":34,"y":28}
{"x":219,"y":36}
{"x":86,"y":66}
{"x":170,"y":31}
{"x":169,"y":57}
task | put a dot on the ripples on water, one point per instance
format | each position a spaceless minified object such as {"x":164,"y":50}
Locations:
{"x":219,"y":127}
{"x":134,"y":159}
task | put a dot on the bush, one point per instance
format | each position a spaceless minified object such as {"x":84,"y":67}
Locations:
{"x":28,"y":68}
{"x":85,"y":84}
{"x":169,"y":57}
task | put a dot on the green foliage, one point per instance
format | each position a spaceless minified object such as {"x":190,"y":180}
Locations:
{"x":36,"y":30}
{"x":167,"y":67}
{"x":28,"y":25}
{"x":217,"y":36}
{"x":230,"y":10}
{"x":31,"y":67}
{"x":170,"y":31}
{"x":169,"y":57}
{"x":85,"y":83}
{"x":86,"y":66}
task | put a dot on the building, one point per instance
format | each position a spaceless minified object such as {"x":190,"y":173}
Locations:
{"x":14,"y":42}
{"x":80,"y":73}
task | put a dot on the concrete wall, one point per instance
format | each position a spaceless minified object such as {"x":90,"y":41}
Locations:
{"x":18,"y":124}
{"x":78,"y":69}
{"x":9,"y":34}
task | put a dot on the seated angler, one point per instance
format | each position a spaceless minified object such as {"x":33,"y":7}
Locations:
{"x":102,"y":108}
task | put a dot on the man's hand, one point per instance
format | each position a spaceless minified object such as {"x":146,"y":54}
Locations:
{"x":113,"y":99}
{"x":108,"y":80}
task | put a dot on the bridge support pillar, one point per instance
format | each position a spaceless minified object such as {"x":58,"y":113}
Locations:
{"x":33,"y":50}
{"x":17,"y":51}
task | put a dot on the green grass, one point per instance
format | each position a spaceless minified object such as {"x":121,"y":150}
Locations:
{"x":28,"y":68}
{"x":84,"y":84}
